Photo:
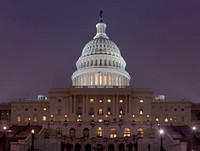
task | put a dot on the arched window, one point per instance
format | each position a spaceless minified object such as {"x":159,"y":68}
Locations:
{"x":111,"y":147}
{"x":86,"y":132}
{"x":127,"y":132}
{"x":88,"y":147}
{"x":77,"y":147}
{"x":140,"y":132}
{"x":72,"y":132}
{"x":113,"y":133}
{"x":99,"y":132}
{"x":121,"y":147}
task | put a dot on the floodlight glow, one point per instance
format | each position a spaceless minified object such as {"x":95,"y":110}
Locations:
{"x":32,"y":131}
{"x":161,"y":131}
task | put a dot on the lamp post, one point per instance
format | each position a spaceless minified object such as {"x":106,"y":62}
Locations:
{"x":6,"y":145}
{"x":161,"y":140}
{"x":193,"y":136}
{"x":32,"y":138}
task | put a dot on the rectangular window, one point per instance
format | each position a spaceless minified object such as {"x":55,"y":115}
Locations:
{"x":35,"y":118}
{"x":25,"y":119}
{"x":44,"y":118}
{"x":59,"y":111}
{"x":18,"y":118}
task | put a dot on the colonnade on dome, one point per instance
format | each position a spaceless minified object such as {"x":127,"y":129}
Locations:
{"x":101,"y":79}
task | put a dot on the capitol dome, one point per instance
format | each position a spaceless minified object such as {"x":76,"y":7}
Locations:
{"x":101,"y":63}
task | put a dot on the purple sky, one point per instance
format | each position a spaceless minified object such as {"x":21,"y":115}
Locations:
{"x":40,"y":41}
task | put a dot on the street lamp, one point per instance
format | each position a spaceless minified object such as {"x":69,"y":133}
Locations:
{"x":6,"y":145}
{"x":193,"y":136}
{"x":193,"y":129}
{"x":161,"y":140}
{"x":32,"y":137}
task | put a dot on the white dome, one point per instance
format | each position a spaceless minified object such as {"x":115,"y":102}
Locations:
{"x":101,"y":45}
{"x":100,"y":63}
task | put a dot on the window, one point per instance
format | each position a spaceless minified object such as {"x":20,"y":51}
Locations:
{"x":72,"y":133}
{"x":44,"y":109}
{"x":100,"y":112}
{"x":85,"y":132}
{"x":140,"y":132}
{"x":18,"y":118}
{"x":59,"y":100}
{"x":141,"y":112}
{"x":127,"y":132}
{"x":91,"y":111}
{"x":35,"y":118}
{"x":59,"y":111}
{"x":157,"y":119}
{"x":108,"y":100}
{"x":141,"y":101}
{"x":120,"y":101}
{"x":113,"y":133}
{"x":25,"y":119}
{"x":99,"y":132}
{"x":166,"y":120}
{"x":91,"y":100}
{"x":109,"y":111}
{"x":44,"y":118}
{"x":175,"y":119}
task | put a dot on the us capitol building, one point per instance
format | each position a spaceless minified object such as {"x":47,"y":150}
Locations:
{"x":101,"y":111}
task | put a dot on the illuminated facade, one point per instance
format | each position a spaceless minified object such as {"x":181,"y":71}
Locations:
{"x":101,"y":110}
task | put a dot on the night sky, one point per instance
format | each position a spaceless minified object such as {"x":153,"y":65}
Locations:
{"x":41,"y":40}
